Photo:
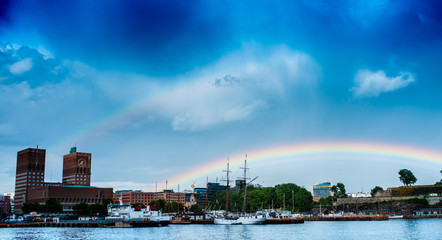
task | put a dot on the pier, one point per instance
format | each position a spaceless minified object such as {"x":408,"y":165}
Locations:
{"x":346,"y":218}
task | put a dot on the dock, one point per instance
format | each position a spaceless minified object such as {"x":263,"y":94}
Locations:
{"x":52,"y":224}
{"x":346,"y":218}
{"x":283,"y":221}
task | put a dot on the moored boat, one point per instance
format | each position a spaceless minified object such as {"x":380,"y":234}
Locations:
{"x":244,"y":219}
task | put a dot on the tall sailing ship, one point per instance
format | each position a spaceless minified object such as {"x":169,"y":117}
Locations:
{"x":242,"y":219}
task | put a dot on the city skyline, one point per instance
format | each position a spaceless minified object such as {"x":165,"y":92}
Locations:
{"x":169,"y":90}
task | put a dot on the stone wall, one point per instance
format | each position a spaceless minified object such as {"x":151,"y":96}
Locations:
{"x":410,"y":191}
{"x":372,"y":200}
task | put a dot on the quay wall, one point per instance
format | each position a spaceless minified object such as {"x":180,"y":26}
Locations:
{"x":431,"y":200}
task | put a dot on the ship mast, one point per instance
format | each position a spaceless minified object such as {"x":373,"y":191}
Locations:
{"x":227,"y":192}
{"x":245,"y":185}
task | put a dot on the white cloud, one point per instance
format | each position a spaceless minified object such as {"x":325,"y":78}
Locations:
{"x":371,"y":84}
{"x":21,"y":66}
{"x":237,"y":87}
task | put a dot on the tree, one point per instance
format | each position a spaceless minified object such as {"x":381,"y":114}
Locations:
{"x":196,"y":208}
{"x":440,"y":182}
{"x":375,"y":190}
{"x":339,"y":190}
{"x":32,"y":207}
{"x":53,"y":206}
{"x":325,"y":201}
{"x":407,"y":177}
{"x":81,"y":209}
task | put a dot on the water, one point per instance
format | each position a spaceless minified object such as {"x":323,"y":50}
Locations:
{"x":392,"y":229}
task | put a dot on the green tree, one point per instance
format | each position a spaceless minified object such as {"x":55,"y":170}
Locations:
{"x":325,"y":201}
{"x":32,"y":207}
{"x":338,"y":190}
{"x":159,"y":204}
{"x":375,"y":190}
{"x":440,"y":182}
{"x":407,"y":177}
{"x":81,"y":209}
{"x":53,"y":206}
{"x":196,"y":208}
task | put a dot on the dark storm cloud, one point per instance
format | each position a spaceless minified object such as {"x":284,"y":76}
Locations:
{"x":146,"y":36}
{"x":175,"y":36}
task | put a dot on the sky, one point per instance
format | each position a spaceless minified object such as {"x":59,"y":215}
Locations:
{"x":157,"y":89}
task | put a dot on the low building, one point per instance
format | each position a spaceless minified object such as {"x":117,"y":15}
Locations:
{"x":134,"y":196}
{"x":171,"y":196}
{"x":5,"y":205}
{"x":359,"y":195}
{"x":69,"y":195}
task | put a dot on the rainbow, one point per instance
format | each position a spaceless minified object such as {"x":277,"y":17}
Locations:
{"x":320,"y":151}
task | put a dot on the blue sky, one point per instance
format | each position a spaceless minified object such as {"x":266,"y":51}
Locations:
{"x":155,"y":88}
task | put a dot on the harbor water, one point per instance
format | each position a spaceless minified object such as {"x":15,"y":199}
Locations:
{"x":392,"y":229}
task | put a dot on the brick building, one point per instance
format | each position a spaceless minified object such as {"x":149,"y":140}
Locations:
{"x":75,"y":188}
{"x":77,"y":168}
{"x":5,"y":205}
{"x":69,"y":195}
{"x":29,"y":173}
{"x":137,"y":196}
{"x":171,"y":196}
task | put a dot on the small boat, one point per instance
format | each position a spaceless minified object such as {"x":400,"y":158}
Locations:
{"x":395,"y":216}
{"x":180,"y":219}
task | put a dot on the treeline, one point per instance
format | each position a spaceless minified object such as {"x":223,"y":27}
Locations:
{"x":50,"y":206}
{"x":169,"y":207}
{"x":288,"y":196}
{"x":82,"y":209}
{"x":85,"y":209}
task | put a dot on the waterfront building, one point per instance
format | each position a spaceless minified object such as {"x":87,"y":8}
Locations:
{"x":137,"y":196}
{"x":171,"y":196}
{"x":75,"y":188}
{"x":200,"y":196}
{"x":133,"y":196}
{"x":5,"y":205}
{"x":321,"y":190}
{"x":211,"y":188}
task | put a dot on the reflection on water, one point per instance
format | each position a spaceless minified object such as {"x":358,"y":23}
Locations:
{"x":392,"y":229}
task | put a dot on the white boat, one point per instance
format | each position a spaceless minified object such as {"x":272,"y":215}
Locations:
{"x":245,"y":219}
{"x":395,"y":216}
{"x":241,"y":220}
{"x":125,"y":212}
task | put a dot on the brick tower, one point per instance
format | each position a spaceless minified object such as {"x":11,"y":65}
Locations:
{"x":77,"y":168}
{"x":29,"y":174}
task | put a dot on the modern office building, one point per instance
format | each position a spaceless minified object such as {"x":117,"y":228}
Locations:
{"x":321,"y":190}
